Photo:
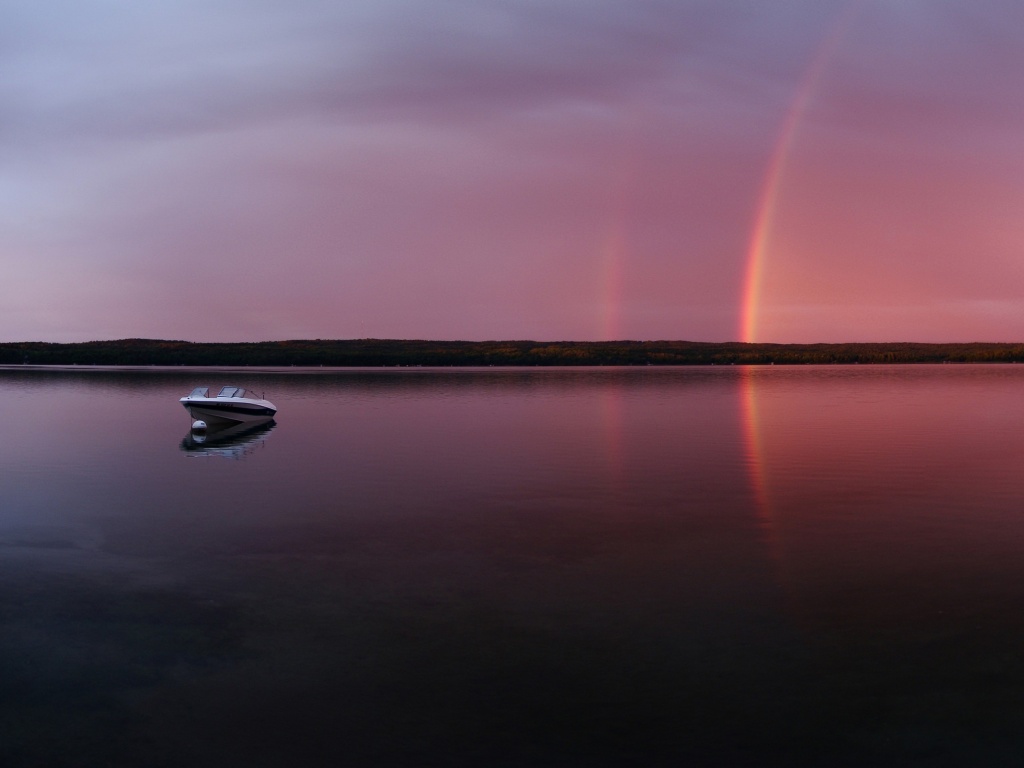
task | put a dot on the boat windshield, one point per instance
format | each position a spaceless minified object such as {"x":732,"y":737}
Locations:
{"x":231,"y":392}
{"x":200,"y":392}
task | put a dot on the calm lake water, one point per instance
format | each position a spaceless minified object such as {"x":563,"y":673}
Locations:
{"x":808,"y":566}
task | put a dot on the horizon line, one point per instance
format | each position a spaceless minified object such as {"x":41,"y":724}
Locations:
{"x":604,"y":342}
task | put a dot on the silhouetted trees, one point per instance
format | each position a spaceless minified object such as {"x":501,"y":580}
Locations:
{"x":384,"y":352}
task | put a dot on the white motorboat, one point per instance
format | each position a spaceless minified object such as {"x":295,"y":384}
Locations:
{"x":232,"y":405}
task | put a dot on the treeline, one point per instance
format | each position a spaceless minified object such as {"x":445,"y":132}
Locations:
{"x":384,"y":352}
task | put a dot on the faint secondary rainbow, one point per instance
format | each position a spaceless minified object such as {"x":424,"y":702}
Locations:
{"x":615,"y":245}
{"x":613,"y":255}
{"x":767,"y":201}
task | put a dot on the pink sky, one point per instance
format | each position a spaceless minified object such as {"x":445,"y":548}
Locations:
{"x":237,"y":171}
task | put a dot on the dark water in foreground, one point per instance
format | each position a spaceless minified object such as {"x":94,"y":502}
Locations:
{"x":607,"y":567}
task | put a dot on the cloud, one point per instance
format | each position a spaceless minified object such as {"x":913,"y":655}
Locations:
{"x":91,"y":70}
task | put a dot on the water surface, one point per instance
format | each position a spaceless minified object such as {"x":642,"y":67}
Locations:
{"x":643,"y":566}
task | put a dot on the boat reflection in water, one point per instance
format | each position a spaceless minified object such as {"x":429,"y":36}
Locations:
{"x":229,"y":441}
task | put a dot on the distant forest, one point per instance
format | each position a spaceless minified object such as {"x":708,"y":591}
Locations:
{"x":383,"y":352}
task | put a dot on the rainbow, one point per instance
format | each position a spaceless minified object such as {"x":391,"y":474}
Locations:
{"x":757,"y":252}
{"x":767,"y":201}
{"x":615,"y":245}
{"x":614,"y":252}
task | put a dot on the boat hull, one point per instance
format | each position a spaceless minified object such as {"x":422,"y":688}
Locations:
{"x":229,"y":413}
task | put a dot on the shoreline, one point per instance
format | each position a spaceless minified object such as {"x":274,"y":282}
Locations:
{"x":326,"y":370}
{"x":390,"y":353}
